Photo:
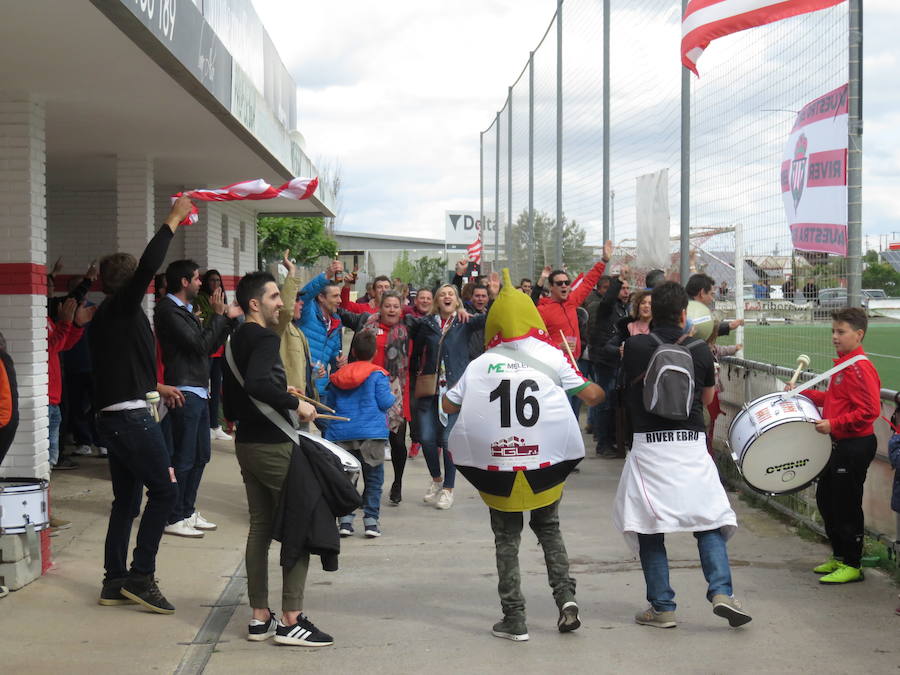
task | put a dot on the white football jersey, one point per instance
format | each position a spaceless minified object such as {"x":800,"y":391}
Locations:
{"x":513,"y":416}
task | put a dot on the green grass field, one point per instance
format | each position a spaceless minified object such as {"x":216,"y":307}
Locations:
{"x":781,"y":344}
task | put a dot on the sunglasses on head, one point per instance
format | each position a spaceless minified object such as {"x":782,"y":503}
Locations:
{"x":561,"y":282}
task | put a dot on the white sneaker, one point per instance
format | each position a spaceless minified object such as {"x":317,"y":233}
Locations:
{"x":198,"y":522}
{"x":83,"y":450}
{"x":444,"y":500}
{"x":218,"y":434}
{"x":102,"y":451}
{"x":434,"y":490}
{"x":183,"y":529}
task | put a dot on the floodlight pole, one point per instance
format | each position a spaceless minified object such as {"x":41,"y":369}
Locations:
{"x":685,"y":255}
{"x":854,"y":157}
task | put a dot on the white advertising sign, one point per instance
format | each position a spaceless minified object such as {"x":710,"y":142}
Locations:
{"x":462,"y":228}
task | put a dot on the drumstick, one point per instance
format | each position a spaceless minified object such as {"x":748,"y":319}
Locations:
{"x":310,"y":400}
{"x":332,"y":417}
{"x":802,"y":364}
{"x":568,"y":349}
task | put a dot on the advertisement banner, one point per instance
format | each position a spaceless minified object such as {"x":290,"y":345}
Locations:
{"x":463,"y":227}
{"x":814,"y":175}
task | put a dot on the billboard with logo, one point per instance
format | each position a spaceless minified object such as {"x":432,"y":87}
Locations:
{"x":461,"y":228}
{"x":814,"y":175}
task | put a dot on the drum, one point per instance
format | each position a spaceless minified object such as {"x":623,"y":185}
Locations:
{"x":775,"y":445}
{"x":348,"y":461}
{"x":23,"y":501}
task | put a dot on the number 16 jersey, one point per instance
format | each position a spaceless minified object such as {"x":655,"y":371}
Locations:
{"x":516,"y":438}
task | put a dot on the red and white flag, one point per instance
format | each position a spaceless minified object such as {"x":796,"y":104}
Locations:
{"x":706,"y":20}
{"x":473,"y":251}
{"x":298,"y":188}
{"x":577,"y":282}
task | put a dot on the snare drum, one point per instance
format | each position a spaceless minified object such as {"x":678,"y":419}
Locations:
{"x":775,"y":444}
{"x":23,"y":501}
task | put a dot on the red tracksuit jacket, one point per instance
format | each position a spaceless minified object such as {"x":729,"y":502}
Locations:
{"x":853,"y":400}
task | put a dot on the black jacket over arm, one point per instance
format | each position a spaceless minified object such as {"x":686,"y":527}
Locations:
{"x":186,"y":345}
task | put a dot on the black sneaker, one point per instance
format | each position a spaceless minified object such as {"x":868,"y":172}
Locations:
{"x":346,"y":530}
{"x":143,"y":590}
{"x":373,"y":531}
{"x":568,"y":618}
{"x":257,"y":630}
{"x":64,"y":463}
{"x":111,"y":593}
{"x":302,"y":634}
{"x":511,"y":629}
{"x":395,"y":497}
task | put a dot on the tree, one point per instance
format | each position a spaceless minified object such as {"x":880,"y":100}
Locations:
{"x":429,"y":272}
{"x":870,"y":257}
{"x":882,"y":275}
{"x":305,"y":236}
{"x":404,"y":269}
{"x":575,"y":256}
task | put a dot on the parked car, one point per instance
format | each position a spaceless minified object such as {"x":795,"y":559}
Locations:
{"x":835,"y":298}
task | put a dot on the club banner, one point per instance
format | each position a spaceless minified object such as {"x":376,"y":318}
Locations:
{"x":814,"y":175}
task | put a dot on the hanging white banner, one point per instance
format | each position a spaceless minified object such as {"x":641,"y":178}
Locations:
{"x":814,"y":175}
{"x":652,"y":205}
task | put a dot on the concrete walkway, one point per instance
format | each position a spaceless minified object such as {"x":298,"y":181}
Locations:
{"x":422,"y":598}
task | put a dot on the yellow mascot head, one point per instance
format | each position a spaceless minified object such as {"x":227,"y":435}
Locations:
{"x":512,"y":316}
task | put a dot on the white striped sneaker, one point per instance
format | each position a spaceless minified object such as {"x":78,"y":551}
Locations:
{"x":258,"y":631}
{"x":302,"y":634}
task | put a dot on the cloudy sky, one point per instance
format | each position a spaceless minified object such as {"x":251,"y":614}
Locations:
{"x":398,"y":94}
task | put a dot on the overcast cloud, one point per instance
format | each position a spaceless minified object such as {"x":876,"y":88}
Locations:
{"x":397,"y":93}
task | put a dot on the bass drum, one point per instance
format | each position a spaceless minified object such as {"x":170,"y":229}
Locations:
{"x":348,"y":461}
{"x":775,"y":444}
{"x":23,"y":502}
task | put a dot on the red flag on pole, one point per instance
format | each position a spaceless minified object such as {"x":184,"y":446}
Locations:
{"x":473,"y":251}
{"x":706,"y":20}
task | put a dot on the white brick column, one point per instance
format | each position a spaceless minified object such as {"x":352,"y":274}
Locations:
{"x":135,"y":208}
{"x":23,"y":282}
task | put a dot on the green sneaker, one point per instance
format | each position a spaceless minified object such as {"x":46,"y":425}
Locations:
{"x":511,"y":628}
{"x":844,"y":574}
{"x":828,"y":566}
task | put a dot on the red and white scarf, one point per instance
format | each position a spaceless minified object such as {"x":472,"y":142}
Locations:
{"x":298,"y":188}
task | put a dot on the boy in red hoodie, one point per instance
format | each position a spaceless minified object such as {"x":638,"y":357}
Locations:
{"x":849,"y":408}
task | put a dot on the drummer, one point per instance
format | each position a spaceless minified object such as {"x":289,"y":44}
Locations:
{"x":669,"y":482}
{"x":849,"y":408}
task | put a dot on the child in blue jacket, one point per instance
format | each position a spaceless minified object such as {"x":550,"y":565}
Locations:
{"x":361,"y":391}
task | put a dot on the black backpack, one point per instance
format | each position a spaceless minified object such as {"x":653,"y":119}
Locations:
{"x":669,"y":379}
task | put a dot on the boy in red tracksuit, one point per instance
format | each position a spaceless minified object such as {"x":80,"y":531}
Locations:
{"x":849,"y":408}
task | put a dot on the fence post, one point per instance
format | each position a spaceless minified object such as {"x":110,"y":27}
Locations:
{"x":530,"y":272}
{"x":854,"y":158}
{"x":509,"y":156}
{"x":607,"y":230}
{"x":481,"y":223}
{"x":685,"y":249}
{"x":559,"y":134}
{"x":497,"y":195}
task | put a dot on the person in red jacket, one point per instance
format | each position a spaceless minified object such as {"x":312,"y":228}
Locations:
{"x":62,"y":336}
{"x":849,"y":408}
{"x":379,"y":286}
{"x":558,"y":310}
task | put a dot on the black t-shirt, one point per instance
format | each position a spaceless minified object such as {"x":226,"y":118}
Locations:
{"x":638,"y":350}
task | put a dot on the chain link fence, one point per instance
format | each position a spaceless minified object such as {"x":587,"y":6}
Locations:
{"x":542,"y":162}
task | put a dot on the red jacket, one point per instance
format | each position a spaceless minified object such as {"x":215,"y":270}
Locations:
{"x":853,"y":400}
{"x":356,"y":307}
{"x":561,"y":316}
{"x":61,"y":337}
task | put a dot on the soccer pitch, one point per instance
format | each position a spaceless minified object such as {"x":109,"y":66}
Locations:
{"x":782,"y":343}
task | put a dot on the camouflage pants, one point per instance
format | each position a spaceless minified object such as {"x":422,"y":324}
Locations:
{"x":507,"y":529}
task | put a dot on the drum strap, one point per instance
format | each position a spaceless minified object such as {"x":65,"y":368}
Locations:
{"x":824,"y":376}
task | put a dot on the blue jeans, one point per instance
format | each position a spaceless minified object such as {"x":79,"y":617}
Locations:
{"x":373,"y":481}
{"x":432,"y":435}
{"x":189,"y":450}
{"x":604,"y":422}
{"x":587,"y":369}
{"x":655,"y":564}
{"x":137,"y":459}
{"x":55,"y":421}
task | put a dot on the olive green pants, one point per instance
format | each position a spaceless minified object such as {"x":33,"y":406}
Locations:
{"x":263,"y":468}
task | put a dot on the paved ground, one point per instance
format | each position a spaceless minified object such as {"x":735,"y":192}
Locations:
{"x":422,"y":598}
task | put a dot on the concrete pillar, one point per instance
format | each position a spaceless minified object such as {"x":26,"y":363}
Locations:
{"x":135,"y":209}
{"x":23,"y":281}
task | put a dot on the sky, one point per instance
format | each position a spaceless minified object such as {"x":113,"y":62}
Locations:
{"x":397,"y":95}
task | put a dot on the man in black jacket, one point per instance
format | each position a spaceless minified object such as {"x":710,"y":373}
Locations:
{"x":186,"y":346}
{"x":264,"y":453}
{"x":123,"y":352}
{"x":605,"y":316}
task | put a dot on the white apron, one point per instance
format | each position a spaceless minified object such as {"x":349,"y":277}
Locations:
{"x":670,"y":484}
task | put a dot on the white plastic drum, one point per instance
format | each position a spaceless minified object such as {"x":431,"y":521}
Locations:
{"x":775,"y":444}
{"x":348,"y":461}
{"x":23,"y":501}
